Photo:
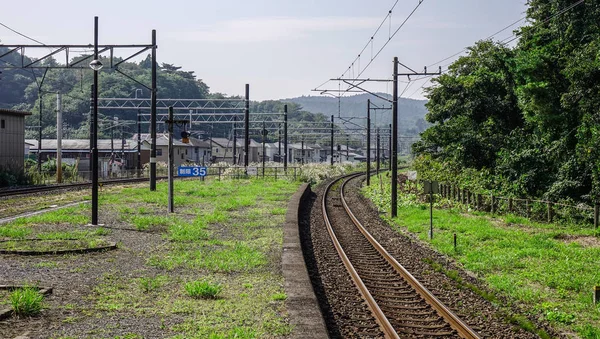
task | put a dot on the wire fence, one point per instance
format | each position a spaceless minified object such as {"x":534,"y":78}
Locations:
{"x":538,"y":210}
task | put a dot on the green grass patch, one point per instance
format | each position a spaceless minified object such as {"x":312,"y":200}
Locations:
{"x":203,"y":289}
{"x":26,"y":301}
{"x":550,"y":268}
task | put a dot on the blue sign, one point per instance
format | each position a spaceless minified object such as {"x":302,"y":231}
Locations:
{"x":191,"y":171}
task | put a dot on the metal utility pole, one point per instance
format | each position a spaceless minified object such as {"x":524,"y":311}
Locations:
{"x":347,"y":148}
{"x":378,"y":148}
{"x":94,"y":127}
{"x":302,"y":153}
{"x":170,"y":122}
{"x":368,"y":142}
{"x":247,"y":126}
{"x":332,"y":130}
{"x":59,"y":123}
{"x":390,"y":147}
{"x":234,"y":139}
{"x":139,"y":144}
{"x":394,"y":158}
{"x":279,"y":141}
{"x":285,"y":137}
{"x":264,"y":135}
{"x":153,"y":95}
{"x":171,"y":168}
{"x":39,"y":158}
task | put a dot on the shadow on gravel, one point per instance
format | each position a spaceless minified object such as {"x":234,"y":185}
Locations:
{"x":311,"y":265}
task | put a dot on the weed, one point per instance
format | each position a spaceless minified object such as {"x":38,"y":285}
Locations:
{"x":26,"y":301}
{"x":279,"y":296}
{"x":203,"y":289}
{"x":150,"y":284}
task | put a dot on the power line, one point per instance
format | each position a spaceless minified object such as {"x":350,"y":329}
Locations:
{"x":21,"y":34}
{"x":370,"y":42}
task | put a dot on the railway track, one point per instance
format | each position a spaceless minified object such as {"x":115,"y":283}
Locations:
{"x":50,"y":188}
{"x":401,"y":305}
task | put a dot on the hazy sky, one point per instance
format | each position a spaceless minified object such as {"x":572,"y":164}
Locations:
{"x":282,"y":48}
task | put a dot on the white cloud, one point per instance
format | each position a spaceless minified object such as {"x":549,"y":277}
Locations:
{"x":273,"y":29}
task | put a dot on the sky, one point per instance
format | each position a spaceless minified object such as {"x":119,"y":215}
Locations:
{"x":282,"y":48}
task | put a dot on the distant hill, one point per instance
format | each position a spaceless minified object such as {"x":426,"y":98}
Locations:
{"x":411,"y":112}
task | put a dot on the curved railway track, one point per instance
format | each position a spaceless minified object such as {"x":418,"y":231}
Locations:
{"x":50,"y":188}
{"x":401,"y":305}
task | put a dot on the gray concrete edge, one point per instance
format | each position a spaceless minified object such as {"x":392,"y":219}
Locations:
{"x":302,"y":305}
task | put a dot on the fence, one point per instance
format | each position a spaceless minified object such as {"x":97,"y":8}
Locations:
{"x":540,"y":210}
{"x":233,"y":172}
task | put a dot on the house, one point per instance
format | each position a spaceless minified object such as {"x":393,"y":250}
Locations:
{"x":112,"y":154}
{"x":201,"y":153}
{"x":182,"y":152}
{"x":12,"y":138}
{"x":222,"y":150}
{"x":300,"y":153}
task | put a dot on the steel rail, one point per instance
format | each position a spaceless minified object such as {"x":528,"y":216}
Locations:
{"x":39,"y":189}
{"x":380,"y":317}
{"x":456,"y":323}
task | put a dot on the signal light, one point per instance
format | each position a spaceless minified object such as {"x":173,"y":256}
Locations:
{"x":185,"y":137}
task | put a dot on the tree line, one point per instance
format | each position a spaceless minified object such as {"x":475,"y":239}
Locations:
{"x":523,"y":120}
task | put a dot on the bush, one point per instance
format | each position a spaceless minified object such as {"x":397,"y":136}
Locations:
{"x":13,"y":176}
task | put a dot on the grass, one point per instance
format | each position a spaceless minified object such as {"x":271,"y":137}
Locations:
{"x":203,"y":289}
{"x":227,"y":231}
{"x":224,"y":231}
{"x":26,"y":301}
{"x":551,"y":269}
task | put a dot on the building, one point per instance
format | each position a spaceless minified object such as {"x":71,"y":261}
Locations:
{"x":222,"y":150}
{"x":12,"y":138}
{"x":113,"y":155}
{"x":182,"y":152}
{"x":201,"y":153}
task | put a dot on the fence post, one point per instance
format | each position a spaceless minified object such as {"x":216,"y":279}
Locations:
{"x":479,"y":202}
{"x":493,"y":204}
{"x":510,"y":205}
{"x":275,"y":173}
{"x":528,"y":206}
{"x":596,"y":213}
{"x":295,"y":173}
{"x":550,"y":212}
{"x":219,"y":173}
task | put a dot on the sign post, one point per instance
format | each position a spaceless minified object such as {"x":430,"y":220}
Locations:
{"x":191,"y":171}
{"x":431,"y":187}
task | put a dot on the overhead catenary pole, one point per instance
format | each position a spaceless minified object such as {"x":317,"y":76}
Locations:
{"x":394,"y":158}
{"x":39,"y":158}
{"x":59,"y":123}
{"x":264,"y":136}
{"x":368,"y":142}
{"x":279,"y":142}
{"x":94,"y":128}
{"x":302,"y":152}
{"x":170,"y":123}
{"x":378,"y":148}
{"x":247,"y":126}
{"x":389,"y":149}
{"x":139,"y":145}
{"x":285,"y":137}
{"x":332,"y":141}
{"x":153,"y":95}
{"x":234,"y":140}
